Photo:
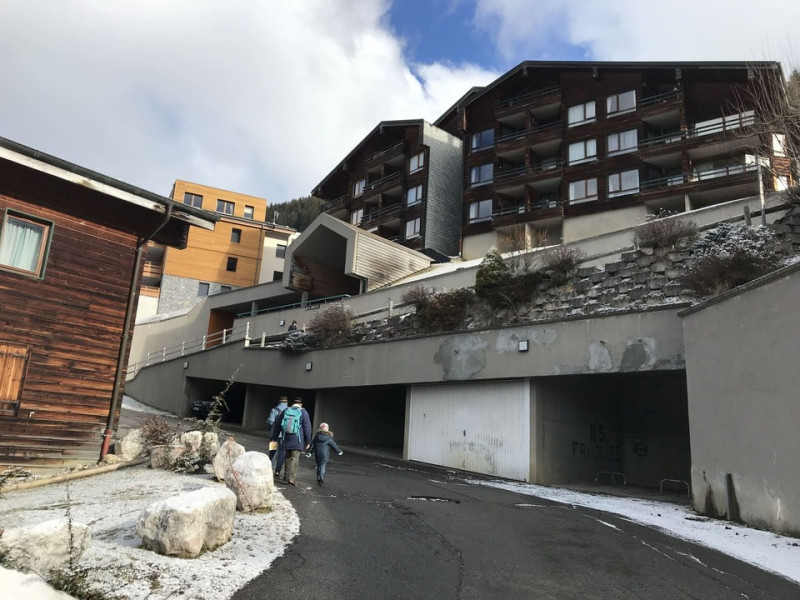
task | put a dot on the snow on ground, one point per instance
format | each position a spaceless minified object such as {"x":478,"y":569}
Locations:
{"x":768,"y":551}
{"x":111,"y":503}
{"x":136,"y":406}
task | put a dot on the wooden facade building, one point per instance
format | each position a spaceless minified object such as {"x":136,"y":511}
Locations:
{"x":71,"y":244}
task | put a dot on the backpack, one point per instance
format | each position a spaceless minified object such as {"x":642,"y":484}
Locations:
{"x":273,"y":414}
{"x":291,"y":420}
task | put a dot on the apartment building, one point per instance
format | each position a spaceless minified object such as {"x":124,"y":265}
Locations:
{"x":578,"y":149}
{"x":243,"y":250}
{"x":403,"y":183}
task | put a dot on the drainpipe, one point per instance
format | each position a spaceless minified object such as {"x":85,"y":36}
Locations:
{"x":126,"y":328}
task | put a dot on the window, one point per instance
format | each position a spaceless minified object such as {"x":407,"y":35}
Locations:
{"x":280,"y":251}
{"x":249,"y":211}
{"x":621,"y":103}
{"x":195,"y":200}
{"x":24,"y":242}
{"x":358,"y":187}
{"x":580,"y":114}
{"x":232,"y":262}
{"x":277,"y":275}
{"x":356,"y":216}
{"x":582,"y":151}
{"x":626,"y":182}
{"x":236,"y":236}
{"x":620,"y":143}
{"x":482,"y":139}
{"x":224,"y":288}
{"x":481,"y":175}
{"x":202,"y":289}
{"x":480,"y":211}
{"x":414,"y":196}
{"x":415,"y":163}
{"x":225,"y":207}
{"x":779,"y":144}
{"x":413,"y":228}
{"x":584,"y":190}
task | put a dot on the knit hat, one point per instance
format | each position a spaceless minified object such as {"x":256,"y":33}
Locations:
{"x":323,"y":427}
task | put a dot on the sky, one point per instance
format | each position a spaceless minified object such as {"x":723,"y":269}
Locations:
{"x":266,"y":98}
{"x":112,"y":501}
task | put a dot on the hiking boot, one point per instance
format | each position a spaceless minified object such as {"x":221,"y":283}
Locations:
{"x":319,"y":481}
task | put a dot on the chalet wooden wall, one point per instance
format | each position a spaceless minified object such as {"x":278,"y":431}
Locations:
{"x":72,"y":319}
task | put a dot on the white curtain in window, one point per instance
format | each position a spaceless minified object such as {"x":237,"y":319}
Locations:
{"x":628,"y":139}
{"x":20,"y":242}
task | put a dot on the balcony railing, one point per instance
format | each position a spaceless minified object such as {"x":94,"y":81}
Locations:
{"x":662,"y":182}
{"x":387,"y":152}
{"x":723,"y":172}
{"x":527,"y":98}
{"x":382,"y":182}
{"x":551,"y":164}
{"x":336,"y":203}
{"x":524,"y":133}
{"x":542,"y":204}
{"x":381,"y":215}
{"x":659,"y":98}
{"x":723,"y":124}
{"x":666,"y":138}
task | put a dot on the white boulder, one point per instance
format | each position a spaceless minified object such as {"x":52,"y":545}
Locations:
{"x":227,"y":453}
{"x":191,"y":440}
{"x":131,"y":446}
{"x":210,"y":443}
{"x":187,"y":524}
{"x":165,"y":457}
{"x":250,"y":478}
{"x":44,"y":547}
{"x":28,"y":585}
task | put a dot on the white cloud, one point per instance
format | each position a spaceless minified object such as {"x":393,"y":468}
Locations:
{"x":631,"y":30}
{"x":260,"y":98}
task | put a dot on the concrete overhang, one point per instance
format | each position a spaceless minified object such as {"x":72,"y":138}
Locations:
{"x":333,"y":258}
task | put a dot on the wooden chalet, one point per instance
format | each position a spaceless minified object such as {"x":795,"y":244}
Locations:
{"x":71,"y":249}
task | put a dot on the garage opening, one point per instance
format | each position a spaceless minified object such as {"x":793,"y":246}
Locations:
{"x":371,"y":416}
{"x":630,"y":428}
{"x":200,"y":392}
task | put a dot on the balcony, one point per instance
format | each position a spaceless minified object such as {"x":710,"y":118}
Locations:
{"x":726,"y":171}
{"x":551,"y":165}
{"x":337,"y":204}
{"x":522,"y":209}
{"x":385,"y":154}
{"x":384,"y":183}
{"x":660,"y":99}
{"x":382,"y":215}
{"x":528,"y":100}
{"x":525,"y":137}
{"x":723,"y":124}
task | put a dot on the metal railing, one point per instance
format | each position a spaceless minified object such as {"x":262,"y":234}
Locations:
{"x":341,"y":201}
{"x":378,"y":183}
{"x":723,"y":124}
{"x":527,"y":98}
{"x":311,"y":304}
{"x":546,"y":165}
{"x":383,"y":213}
{"x":193,"y":346}
{"x":523,"y":133}
{"x":659,"y":98}
{"x":386,"y":152}
{"x":526,"y":208}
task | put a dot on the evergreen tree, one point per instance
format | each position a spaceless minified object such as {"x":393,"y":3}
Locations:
{"x":297,"y":213}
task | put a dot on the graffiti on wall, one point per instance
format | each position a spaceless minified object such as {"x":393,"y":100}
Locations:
{"x":598,"y":448}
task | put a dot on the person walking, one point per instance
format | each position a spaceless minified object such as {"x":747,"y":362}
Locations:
{"x":321,"y":449}
{"x":295,"y":426}
{"x":278,"y":449}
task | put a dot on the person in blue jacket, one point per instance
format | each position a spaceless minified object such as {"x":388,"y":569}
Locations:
{"x":321,"y":449}
{"x":295,"y":439}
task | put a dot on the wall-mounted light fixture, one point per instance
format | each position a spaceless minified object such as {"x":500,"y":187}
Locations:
{"x":186,"y":364}
{"x":523,"y":345}
{"x":283,"y":322}
{"x":308,"y":366}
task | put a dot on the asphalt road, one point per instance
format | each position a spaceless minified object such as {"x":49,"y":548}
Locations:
{"x":382,"y":528}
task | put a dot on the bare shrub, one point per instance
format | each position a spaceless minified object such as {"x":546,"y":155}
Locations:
{"x":417,"y":295}
{"x":729,"y":256}
{"x":562,"y":261}
{"x":659,"y":231}
{"x":332,"y":324}
{"x":157,"y":431}
{"x":517,"y":242}
{"x":446,"y":311}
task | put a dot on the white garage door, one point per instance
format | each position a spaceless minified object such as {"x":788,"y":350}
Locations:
{"x":482,"y":427}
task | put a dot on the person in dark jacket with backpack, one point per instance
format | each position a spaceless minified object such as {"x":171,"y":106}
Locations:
{"x":295,"y":425}
{"x":321,"y":449}
{"x":279,"y":451}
